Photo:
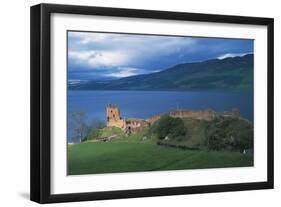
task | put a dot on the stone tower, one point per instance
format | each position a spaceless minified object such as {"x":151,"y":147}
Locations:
{"x":113,"y":117}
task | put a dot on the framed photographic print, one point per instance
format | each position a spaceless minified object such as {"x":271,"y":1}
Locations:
{"x":132,"y":103}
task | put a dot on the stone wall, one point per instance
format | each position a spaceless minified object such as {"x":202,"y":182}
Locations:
{"x":136,"y":125}
{"x":116,"y":123}
{"x":201,"y":114}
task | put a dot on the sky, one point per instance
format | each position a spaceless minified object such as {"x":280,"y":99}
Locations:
{"x":102,"y":56}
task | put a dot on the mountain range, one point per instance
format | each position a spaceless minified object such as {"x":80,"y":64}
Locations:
{"x":233,"y":73}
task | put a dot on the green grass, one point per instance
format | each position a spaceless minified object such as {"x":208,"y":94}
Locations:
{"x":133,"y":155}
{"x":109,"y":131}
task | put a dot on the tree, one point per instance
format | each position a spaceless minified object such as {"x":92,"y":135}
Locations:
{"x":170,"y":127}
{"x":229,"y":133}
{"x":94,"y":130}
{"x":76,"y":123}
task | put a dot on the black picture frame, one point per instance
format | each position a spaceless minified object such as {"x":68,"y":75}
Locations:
{"x":41,"y":99}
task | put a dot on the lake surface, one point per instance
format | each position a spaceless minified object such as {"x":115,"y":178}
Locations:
{"x":144,"y":104}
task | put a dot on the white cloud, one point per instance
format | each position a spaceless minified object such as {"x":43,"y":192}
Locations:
{"x":88,"y":37}
{"x":95,"y":58}
{"x":136,"y":46}
{"x":129,"y":40}
{"x":227,"y":55}
{"x":124,"y":72}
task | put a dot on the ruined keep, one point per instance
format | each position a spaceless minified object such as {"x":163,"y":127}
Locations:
{"x":113,"y":117}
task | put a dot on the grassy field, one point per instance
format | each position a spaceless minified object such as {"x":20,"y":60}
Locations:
{"x":135,"y":156}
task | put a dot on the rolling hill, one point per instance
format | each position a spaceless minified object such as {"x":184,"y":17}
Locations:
{"x":234,"y":73}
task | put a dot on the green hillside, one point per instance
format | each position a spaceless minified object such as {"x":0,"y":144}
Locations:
{"x":234,"y":73}
{"x":205,"y":144}
{"x":114,"y":157}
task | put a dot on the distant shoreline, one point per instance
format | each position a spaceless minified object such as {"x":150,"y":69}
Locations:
{"x":170,"y":90}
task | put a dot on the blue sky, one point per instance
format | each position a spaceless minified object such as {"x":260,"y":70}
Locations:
{"x":99,"y":56}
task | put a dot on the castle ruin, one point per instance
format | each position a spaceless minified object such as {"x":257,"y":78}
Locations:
{"x":114,"y":118}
